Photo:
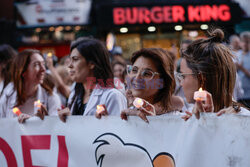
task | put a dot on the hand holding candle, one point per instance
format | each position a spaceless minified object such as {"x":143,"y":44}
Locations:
{"x":204,"y":103}
{"x":146,"y":106}
{"x":138,"y":102}
{"x":21,"y":117}
{"x":200,"y":95}
{"x":16,"y":111}
{"x":101,"y":110}
{"x":37,"y":106}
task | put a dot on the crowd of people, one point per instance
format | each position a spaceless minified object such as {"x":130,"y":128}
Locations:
{"x":90,"y":78}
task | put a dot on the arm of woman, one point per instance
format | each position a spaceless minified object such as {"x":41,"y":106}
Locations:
{"x":235,"y":109}
{"x":244,"y":70}
{"x":62,"y":87}
{"x":199,"y":107}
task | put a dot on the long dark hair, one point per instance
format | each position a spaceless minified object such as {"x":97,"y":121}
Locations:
{"x":212,"y":62}
{"x":165,"y":66}
{"x":7,"y":54}
{"x":94,"y":52}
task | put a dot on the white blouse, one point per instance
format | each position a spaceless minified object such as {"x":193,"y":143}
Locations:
{"x":113,"y":99}
{"x":8,"y":101}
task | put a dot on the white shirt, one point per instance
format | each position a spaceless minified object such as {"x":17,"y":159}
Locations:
{"x":1,"y":86}
{"x":244,"y":111}
{"x":113,"y":99}
{"x":8,"y":101}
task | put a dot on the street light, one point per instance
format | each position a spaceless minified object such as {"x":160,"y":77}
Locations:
{"x":204,"y":26}
{"x":178,"y":28}
{"x":124,"y":30}
{"x":151,"y":29}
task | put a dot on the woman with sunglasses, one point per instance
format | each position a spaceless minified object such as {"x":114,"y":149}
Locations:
{"x":91,"y":71}
{"x":208,"y":64}
{"x":27,"y":87}
{"x":151,"y":77}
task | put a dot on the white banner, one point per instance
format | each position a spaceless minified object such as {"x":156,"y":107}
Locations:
{"x":111,"y":142}
{"x":53,"y":12}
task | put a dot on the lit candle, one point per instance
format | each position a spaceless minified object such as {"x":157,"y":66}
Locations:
{"x":16,"y":111}
{"x":37,"y":105}
{"x":100,"y":108}
{"x":49,"y":54}
{"x":138,"y":102}
{"x":146,"y":106}
{"x":200,"y":95}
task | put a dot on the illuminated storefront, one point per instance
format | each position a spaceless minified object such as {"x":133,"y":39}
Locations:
{"x":51,"y":25}
{"x":163,"y":23}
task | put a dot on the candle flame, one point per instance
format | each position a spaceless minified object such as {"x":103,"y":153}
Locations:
{"x":138,"y":102}
{"x":100,"y":108}
{"x":16,"y":111}
{"x":37,"y":103}
{"x":200,"y":95}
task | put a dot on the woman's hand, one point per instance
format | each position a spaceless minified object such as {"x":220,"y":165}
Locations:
{"x":63,"y":114}
{"x":187,"y":116}
{"x":206,"y":106}
{"x":135,"y":112}
{"x":130,"y":97}
{"x":228,"y":110}
{"x":244,"y":70}
{"x":41,"y":112}
{"x":102,"y":113}
{"x":49,"y":62}
{"x":23,"y":117}
{"x":239,"y":66}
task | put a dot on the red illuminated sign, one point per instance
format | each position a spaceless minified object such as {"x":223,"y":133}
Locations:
{"x":171,"y":14}
{"x":208,"y":13}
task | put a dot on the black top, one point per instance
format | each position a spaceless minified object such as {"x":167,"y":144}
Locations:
{"x":79,"y":107}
